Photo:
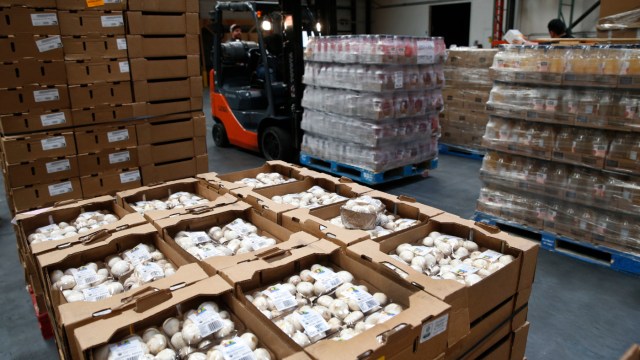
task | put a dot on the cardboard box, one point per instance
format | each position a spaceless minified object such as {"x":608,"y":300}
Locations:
{"x":27,"y":46}
{"x":318,"y":221}
{"x":104,"y":114}
{"x":85,"y":5}
{"x":91,"y":22}
{"x":110,"y":182}
{"x":23,"y":20}
{"x":420,"y":312}
{"x":153,"y":309}
{"x":172,"y":127}
{"x":106,"y":160}
{"x":145,"y":69}
{"x":47,"y":4}
{"x":101,"y":93}
{"x":167,"y":90}
{"x":612,"y":7}
{"x":228,"y":180}
{"x":93,"y":139}
{"x":163,"y":24}
{"x":30,"y":147}
{"x":185,"y":6}
{"x":37,"y":120}
{"x":146,"y":47}
{"x":176,"y":150}
{"x":221,"y":216}
{"x":168,"y":107}
{"x":42,"y":170}
{"x":156,"y":173}
{"x":30,"y":98}
{"x":74,"y":315}
{"x":93,"y":71}
{"x":35,"y":196}
{"x":628,"y":33}
{"x":92,"y":47}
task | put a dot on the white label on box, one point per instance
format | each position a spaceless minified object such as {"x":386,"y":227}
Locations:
{"x":490,"y":255}
{"x":149,"y":271}
{"x":426,"y":51}
{"x":59,"y":189}
{"x":112,"y":1}
{"x":85,"y":275}
{"x":365,"y":301}
{"x":434,"y":328}
{"x":282,"y":299}
{"x":236,"y":349}
{"x":56,"y":142}
{"x":124,"y":66}
{"x":53,"y":119}
{"x":464,"y":269}
{"x":46,"y":95}
{"x":326,"y":277}
{"x":208,"y":321}
{"x":199,"y":237}
{"x":58,"y":166}
{"x":137,"y":255}
{"x":118,"y":135}
{"x":240,"y":227}
{"x":44,"y":19}
{"x":312,"y":322}
{"x":129,"y":176}
{"x":97,"y":293}
{"x":422,"y":250}
{"x":633,"y":155}
{"x":112,"y":21}
{"x":119,"y":157}
{"x":259,"y":242}
{"x":130,"y":349}
{"x":398,"y":79}
{"x":122,"y":44}
{"x":48,"y":44}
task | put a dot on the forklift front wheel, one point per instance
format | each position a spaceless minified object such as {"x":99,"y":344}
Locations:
{"x":219,"y":135}
{"x":275,"y":144}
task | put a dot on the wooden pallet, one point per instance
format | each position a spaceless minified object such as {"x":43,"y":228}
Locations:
{"x":461,"y":151}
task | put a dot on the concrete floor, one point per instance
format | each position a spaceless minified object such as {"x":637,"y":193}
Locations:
{"x":577,"y":310}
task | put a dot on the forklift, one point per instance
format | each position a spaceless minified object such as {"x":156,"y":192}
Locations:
{"x":256,"y":87}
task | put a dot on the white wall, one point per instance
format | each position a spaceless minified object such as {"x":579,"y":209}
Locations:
{"x":535,"y":14}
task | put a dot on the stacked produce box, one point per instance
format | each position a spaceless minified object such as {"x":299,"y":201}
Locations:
{"x":373,"y":101}
{"x":565,"y":141}
{"x":79,"y":77}
{"x":464,"y":118}
{"x":229,"y":266}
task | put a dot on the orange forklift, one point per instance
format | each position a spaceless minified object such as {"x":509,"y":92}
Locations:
{"x":256,"y":87}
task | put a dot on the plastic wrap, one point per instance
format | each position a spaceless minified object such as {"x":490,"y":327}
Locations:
{"x":623,"y":153}
{"x":519,"y":137}
{"x":620,"y":21}
{"x":85,"y":222}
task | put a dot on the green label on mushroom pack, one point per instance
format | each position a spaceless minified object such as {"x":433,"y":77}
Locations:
{"x":236,"y":349}
{"x":365,"y":301}
{"x":282,"y":298}
{"x":490,"y":255}
{"x":97,"y":293}
{"x":207,"y":321}
{"x":137,"y":255}
{"x":326,"y":277}
{"x":85,"y":275}
{"x":126,"y":350}
{"x":312,"y":322}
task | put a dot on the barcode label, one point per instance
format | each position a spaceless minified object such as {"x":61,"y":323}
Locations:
{"x":326,"y":277}
{"x":130,"y":176}
{"x":426,"y":52}
{"x":46,"y":95}
{"x":208,"y":321}
{"x":149,"y":271}
{"x":490,"y":255}
{"x":118,"y":135}
{"x":199,"y":237}
{"x":282,"y":299}
{"x":97,"y":293}
{"x":210,"y":252}
{"x":433,"y":328}
{"x":398,"y":79}
{"x":58,"y":166}
{"x":422,"y":250}
{"x":59,"y":189}
{"x":312,"y":322}
{"x":240,"y":227}
{"x":48,"y":44}
{"x":124,"y":66}
{"x":47,"y":19}
{"x":259,"y":242}
{"x":122,"y":44}
{"x":51,"y":143}
{"x":53,"y":119}
{"x":85,"y":275}
{"x":112,"y":21}
{"x":236,"y":349}
{"x":363,"y":298}
{"x":130,"y":349}
{"x":119,"y":157}
{"x":48,"y":228}
{"x":137,"y":255}
{"x":464,"y":269}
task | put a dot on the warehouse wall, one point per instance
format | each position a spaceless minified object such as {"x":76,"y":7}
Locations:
{"x":535,"y":14}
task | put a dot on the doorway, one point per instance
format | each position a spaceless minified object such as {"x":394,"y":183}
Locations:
{"x":452,"y":22}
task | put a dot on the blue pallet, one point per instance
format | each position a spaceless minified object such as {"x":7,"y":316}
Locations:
{"x":460,"y":151}
{"x":619,"y":260}
{"x":367,"y":176}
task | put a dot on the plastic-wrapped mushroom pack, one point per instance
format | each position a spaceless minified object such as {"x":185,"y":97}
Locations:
{"x":450,"y":257}
{"x":237,"y":237}
{"x":84,"y":223}
{"x":179,"y":200}
{"x":204,"y":333}
{"x":369,"y":214}
{"x":312,"y":198}
{"x":263,"y":180}
{"x":129,"y":270}
{"x":320,"y":303}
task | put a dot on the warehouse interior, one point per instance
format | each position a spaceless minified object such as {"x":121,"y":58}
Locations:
{"x":515,"y":148}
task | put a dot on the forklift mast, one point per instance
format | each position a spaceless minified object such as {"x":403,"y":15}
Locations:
{"x":294,"y":53}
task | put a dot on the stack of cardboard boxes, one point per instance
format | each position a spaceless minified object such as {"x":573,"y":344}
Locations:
{"x":90,"y":90}
{"x":440,"y":319}
{"x":466,"y":92}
